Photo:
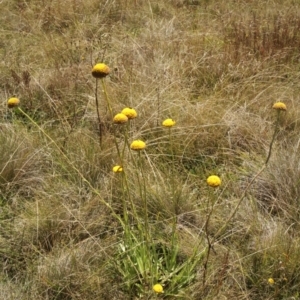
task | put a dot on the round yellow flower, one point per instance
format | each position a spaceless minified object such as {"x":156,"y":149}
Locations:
{"x":120,"y":118}
{"x":13,"y":102}
{"x":117,"y":169}
{"x":279,"y":106}
{"x":138,"y":145}
{"x":271,"y":281}
{"x":158,"y":288}
{"x":213,"y":181}
{"x":129,"y":112}
{"x":168,"y":123}
{"x":100,"y":70}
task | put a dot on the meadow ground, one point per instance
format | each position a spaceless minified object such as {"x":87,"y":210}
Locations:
{"x":94,"y":206}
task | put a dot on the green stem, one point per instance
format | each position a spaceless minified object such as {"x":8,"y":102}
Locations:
{"x":130,"y":198}
{"x":112,"y":116}
{"x":126,"y":143}
{"x":117,"y":147}
{"x":125,"y":211}
{"x":144,"y":195}
{"x":98,"y":113}
{"x":107,"y":98}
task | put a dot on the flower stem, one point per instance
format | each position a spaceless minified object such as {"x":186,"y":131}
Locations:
{"x":273,"y":138}
{"x":209,"y":242}
{"x":144,"y":195}
{"x":98,"y":113}
{"x":221,"y":230}
{"x":106,"y":97}
{"x":173,"y":163}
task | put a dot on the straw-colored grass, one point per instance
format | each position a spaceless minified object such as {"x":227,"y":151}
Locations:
{"x":71,"y":228}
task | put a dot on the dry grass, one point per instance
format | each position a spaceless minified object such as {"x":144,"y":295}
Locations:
{"x":216,"y":67}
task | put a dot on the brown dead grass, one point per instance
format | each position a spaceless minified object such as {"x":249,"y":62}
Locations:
{"x":216,"y":67}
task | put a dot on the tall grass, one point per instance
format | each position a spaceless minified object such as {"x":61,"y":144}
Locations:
{"x":72,"y":228}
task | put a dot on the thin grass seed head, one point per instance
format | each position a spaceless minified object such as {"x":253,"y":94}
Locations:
{"x":158,"y":288}
{"x":279,"y":106}
{"x":213,"y":181}
{"x":129,"y":112}
{"x":13,"y":102}
{"x":120,"y":118}
{"x":117,"y":169}
{"x":137,"y":145}
{"x":168,"y":123}
{"x":100,"y":70}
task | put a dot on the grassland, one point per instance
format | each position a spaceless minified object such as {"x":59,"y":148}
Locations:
{"x":71,"y":228}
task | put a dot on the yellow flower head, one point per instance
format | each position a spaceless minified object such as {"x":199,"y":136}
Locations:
{"x":279,"y":106}
{"x":117,"y":169}
{"x":100,"y":70}
{"x":168,"y":123}
{"x":129,"y":112}
{"x":13,"y":102}
{"x":271,"y":281}
{"x":138,"y":145}
{"x":158,"y":288}
{"x":213,"y":181}
{"x":120,"y":118}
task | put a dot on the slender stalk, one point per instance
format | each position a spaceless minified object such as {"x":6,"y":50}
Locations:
{"x":173,"y":190}
{"x":98,"y":113}
{"x":112,"y":116}
{"x":126,"y":143}
{"x":209,"y":242}
{"x":220,"y":231}
{"x":144,"y":230}
{"x":209,"y":247}
{"x":223,"y":228}
{"x":173,"y":163}
{"x":144,"y":195}
{"x":273,"y":138}
{"x":106,"y":97}
{"x":125,"y":182}
{"x":127,"y":190}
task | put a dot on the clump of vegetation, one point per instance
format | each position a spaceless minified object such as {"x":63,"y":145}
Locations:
{"x":150,"y":150}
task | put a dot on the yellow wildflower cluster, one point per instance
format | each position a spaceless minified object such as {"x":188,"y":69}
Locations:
{"x":13,"y":102}
{"x":129,"y":112}
{"x":125,"y":115}
{"x":279,"y":106}
{"x":100,"y":70}
{"x":117,"y":169}
{"x":120,"y":118}
{"x":271,"y":281}
{"x":168,"y":123}
{"x":158,"y":288}
{"x":213,"y":181}
{"x":138,"y":145}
